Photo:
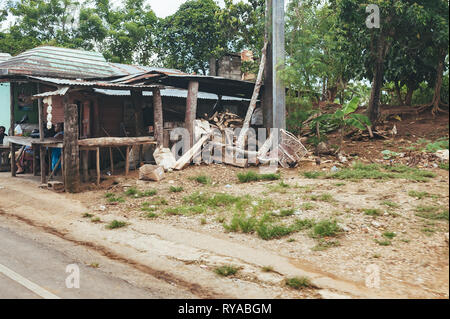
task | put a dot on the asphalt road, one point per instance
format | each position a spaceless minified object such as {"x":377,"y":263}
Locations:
{"x":34,"y":264}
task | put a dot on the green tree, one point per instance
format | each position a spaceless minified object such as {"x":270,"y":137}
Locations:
{"x":190,"y":37}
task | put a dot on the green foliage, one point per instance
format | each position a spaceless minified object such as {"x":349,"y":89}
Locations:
{"x":326,"y":228}
{"x":299,"y":283}
{"x":202,"y":179}
{"x":226,"y":270}
{"x":175,"y":189}
{"x":372,"y":212}
{"x":116,"y":224}
{"x":389,"y":235}
{"x":252,"y":176}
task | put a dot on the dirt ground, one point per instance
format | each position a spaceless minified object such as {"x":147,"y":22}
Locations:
{"x":380,"y":221}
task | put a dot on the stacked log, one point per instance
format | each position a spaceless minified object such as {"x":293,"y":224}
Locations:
{"x":225,"y":120}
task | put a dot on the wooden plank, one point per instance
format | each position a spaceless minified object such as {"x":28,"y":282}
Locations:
{"x":71,"y":161}
{"x":97,"y":164}
{"x":251,"y":108}
{"x":115,"y":141}
{"x":184,"y":160}
{"x":158,"y":122}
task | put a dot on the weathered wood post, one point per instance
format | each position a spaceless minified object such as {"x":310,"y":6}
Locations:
{"x":191,"y":109}
{"x":71,"y":160}
{"x":41,"y":138}
{"x":158,"y":123}
{"x":11,"y":108}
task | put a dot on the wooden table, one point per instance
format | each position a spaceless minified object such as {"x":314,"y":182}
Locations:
{"x":94,"y":144}
{"x":35,"y":144}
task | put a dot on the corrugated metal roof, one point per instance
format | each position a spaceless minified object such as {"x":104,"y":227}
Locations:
{"x":62,"y":91}
{"x":90,"y":84}
{"x":58,"y":62}
{"x":126,"y":69}
{"x":169,"y":93}
{"x":4,"y":57}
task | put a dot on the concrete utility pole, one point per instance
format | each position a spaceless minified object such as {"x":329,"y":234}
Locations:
{"x":274,"y":97}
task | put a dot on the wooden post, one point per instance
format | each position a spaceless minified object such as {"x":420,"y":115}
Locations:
{"x":136,"y":97}
{"x":33,"y":146}
{"x":42,"y":164}
{"x":127,"y":161}
{"x":71,"y":173}
{"x":191,"y":108}
{"x":11,"y":109}
{"x":13,"y":158}
{"x":97,"y":164}
{"x":111,"y":158}
{"x":158,"y":123}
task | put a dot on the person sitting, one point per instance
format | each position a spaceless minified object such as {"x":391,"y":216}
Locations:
{"x":56,"y":152}
{"x":24,"y":159}
{"x":2,"y":134}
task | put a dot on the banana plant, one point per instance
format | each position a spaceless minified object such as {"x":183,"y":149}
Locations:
{"x":343,"y":118}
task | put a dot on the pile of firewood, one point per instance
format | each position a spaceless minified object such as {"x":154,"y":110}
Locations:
{"x":226,"y":120}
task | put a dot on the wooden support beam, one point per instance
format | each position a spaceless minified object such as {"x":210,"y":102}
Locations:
{"x":127,"y":161}
{"x":191,"y":109}
{"x":12,"y":102}
{"x":97,"y":164}
{"x":71,"y":161}
{"x":41,"y":118}
{"x":42,"y":164}
{"x":13,"y":158}
{"x":158,"y":123}
{"x":111,"y":158}
{"x":34,"y":160}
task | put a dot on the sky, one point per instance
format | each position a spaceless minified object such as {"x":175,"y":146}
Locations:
{"x":165,"y":8}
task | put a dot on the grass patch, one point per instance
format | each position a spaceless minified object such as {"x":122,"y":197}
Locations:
{"x":151,"y":215}
{"x":226,"y":270}
{"x":299,"y":283}
{"x":175,"y":189}
{"x":325,"y":244}
{"x":314,"y":174}
{"x":287,"y":212}
{"x":375,"y":171}
{"x":307,"y":206}
{"x":326,"y":228}
{"x":384,"y":242}
{"x":113,"y":198}
{"x":87,"y":215}
{"x":443,"y":166}
{"x":96,"y":220}
{"x":252,"y":176}
{"x":372,"y":212}
{"x":185,"y":210}
{"x":134,"y":192}
{"x":427,"y":209}
{"x":389,"y":235}
{"x":201,"y":179}
{"x":390,"y":204}
{"x":421,"y":195}
{"x":116,"y":224}
{"x":433,"y":214}
{"x":323,"y":198}
{"x":267,"y":269}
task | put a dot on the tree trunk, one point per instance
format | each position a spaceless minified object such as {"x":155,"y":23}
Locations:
{"x":158,"y":117}
{"x":409,"y":96}
{"x":377,"y":82}
{"x":399,"y":94}
{"x":438,"y":85}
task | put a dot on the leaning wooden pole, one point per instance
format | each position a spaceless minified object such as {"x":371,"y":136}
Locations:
{"x":71,"y":159}
{"x":191,"y":109}
{"x":251,"y":108}
{"x":158,"y":117}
